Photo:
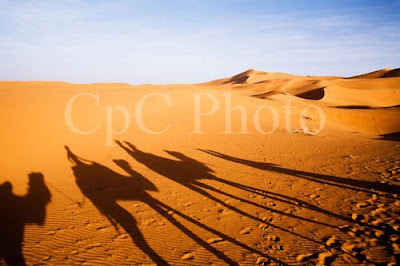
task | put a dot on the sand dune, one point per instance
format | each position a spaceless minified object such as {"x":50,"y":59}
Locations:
{"x":372,"y":100}
{"x":382,"y":73}
{"x":184,"y":198}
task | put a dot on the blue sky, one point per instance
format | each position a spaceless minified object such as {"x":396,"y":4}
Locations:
{"x":188,"y":41}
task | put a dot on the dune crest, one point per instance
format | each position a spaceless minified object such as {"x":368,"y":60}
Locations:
{"x":371,"y":100}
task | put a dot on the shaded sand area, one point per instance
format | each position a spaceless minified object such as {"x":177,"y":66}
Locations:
{"x":293,"y":196}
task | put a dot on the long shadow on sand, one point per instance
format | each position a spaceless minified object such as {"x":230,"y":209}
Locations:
{"x":103,"y":187}
{"x":16,"y":212}
{"x":354,"y":184}
{"x":391,"y":137}
{"x":188,"y":172}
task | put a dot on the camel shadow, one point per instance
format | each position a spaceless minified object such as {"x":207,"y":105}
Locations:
{"x":16,"y":212}
{"x":189,"y":172}
{"x":103,"y":187}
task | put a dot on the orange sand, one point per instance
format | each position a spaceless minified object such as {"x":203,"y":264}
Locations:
{"x":201,"y":199}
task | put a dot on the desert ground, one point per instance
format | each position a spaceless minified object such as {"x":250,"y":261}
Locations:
{"x":306,"y":170}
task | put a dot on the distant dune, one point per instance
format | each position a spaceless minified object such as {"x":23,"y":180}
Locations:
{"x":382,"y":73}
{"x":373,"y":98}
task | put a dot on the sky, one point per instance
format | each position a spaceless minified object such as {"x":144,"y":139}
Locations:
{"x":190,"y":41}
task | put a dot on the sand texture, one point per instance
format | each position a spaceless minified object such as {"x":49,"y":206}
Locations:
{"x":290,"y":197}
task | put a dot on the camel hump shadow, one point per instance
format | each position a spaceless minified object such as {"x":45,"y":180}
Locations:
{"x":182,"y":169}
{"x":94,"y":177}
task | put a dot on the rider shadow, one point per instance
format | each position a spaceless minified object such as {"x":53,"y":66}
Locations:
{"x":16,"y":212}
{"x":103,"y":187}
{"x":188,"y":172}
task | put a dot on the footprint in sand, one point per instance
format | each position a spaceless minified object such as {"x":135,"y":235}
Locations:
{"x":332,"y":242}
{"x":357,"y":216}
{"x":277,"y":247}
{"x":344,"y":228}
{"x":122,"y":236}
{"x":214,"y":240}
{"x":245,"y":231}
{"x":305,"y":257}
{"x":267,"y":219}
{"x":188,"y":256}
{"x":273,"y":238}
{"x":362,"y":205}
{"x":325,"y":258}
{"x":263,"y":226}
{"x":262,"y":261}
